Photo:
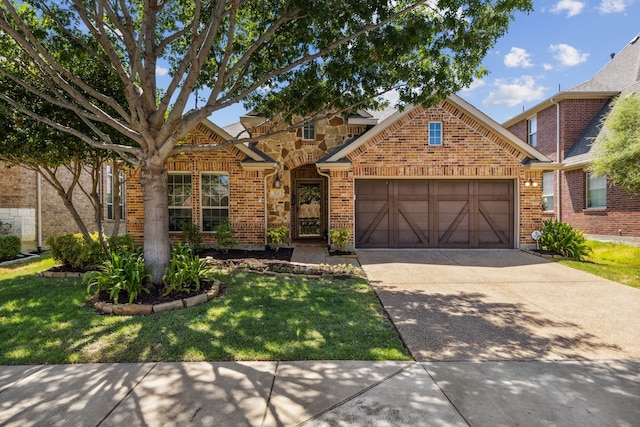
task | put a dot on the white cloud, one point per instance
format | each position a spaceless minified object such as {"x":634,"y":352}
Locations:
{"x":162,"y":71}
{"x":474,"y":85}
{"x":518,"y":57}
{"x":613,"y":6}
{"x":517,"y":91}
{"x":572,"y":7}
{"x":547,"y":67}
{"x":567,"y":55}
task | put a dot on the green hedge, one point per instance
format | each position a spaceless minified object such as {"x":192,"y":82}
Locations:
{"x":75,"y":252}
{"x":9,"y":247}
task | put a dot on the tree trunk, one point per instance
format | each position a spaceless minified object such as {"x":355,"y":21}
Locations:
{"x":157,"y":245}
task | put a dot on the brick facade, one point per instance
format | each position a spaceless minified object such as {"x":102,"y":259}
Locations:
{"x":470,"y":150}
{"x":622,"y":215}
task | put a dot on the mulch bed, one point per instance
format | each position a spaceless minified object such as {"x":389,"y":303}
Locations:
{"x":155,"y":295}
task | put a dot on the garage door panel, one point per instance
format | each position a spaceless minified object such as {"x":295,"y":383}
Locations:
{"x":435,"y":213}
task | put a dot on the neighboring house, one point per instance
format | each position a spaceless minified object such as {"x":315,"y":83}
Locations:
{"x":35,"y":210}
{"x":563,"y":127}
{"x":443,"y":177}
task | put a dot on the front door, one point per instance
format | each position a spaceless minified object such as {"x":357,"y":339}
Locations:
{"x":309,"y":215}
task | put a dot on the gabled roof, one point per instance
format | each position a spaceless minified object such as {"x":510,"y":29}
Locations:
{"x":578,"y":153}
{"x":256,"y":159}
{"x":621,"y":74}
{"x":338,"y":158}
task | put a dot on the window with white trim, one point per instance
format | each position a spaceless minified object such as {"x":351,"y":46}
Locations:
{"x":109,"y":193}
{"x":596,"y":191}
{"x":214,"y":199}
{"x":309,"y":132}
{"x":435,"y":133}
{"x":548,"y":188}
{"x":532,"y":131}
{"x":180,"y":200}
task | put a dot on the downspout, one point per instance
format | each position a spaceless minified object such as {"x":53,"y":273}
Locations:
{"x":266,"y":207}
{"x":558,"y":202}
{"x":328,"y":203}
{"x":39,"y":211}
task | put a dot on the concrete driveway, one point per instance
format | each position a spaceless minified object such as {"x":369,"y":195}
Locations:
{"x":500,"y":305}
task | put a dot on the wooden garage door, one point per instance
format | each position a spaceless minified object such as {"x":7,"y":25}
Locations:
{"x":434,"y":214}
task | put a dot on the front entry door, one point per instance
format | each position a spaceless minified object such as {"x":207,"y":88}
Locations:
{"x":309,"y":209}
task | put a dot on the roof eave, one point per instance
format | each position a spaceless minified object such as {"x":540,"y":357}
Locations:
{"x":554,"y":100}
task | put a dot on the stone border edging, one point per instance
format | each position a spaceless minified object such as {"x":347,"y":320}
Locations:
{"x":61,"y":274}
{"x":143,"y":309}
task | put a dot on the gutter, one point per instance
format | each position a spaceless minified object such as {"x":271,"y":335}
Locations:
{"x":558,"y":174}
{"x":39,"y":211}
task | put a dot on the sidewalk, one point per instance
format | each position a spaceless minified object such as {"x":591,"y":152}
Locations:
{"x":338,"y":393}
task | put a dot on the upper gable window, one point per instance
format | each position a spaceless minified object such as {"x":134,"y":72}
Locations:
{"x":435,"y":133}
{"x":596,"y":191}
{"x":309,"y":132}
{"x":532,"y":131}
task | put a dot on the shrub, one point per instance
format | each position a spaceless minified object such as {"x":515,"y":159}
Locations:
{"x":121,"y":243}
{"x":67,"y":249}
{"x":192,"y":234}
{"x":122,"y":272}
{"x":185,"y":272}
{"x":339,"y":237}
{"x":563,"y":239}
{"x":277,"y":236}
{"x":9,"y":247}
{"x":225,"y":236}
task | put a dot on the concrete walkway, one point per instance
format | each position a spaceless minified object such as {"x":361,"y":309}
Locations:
{"x":503,"y":339}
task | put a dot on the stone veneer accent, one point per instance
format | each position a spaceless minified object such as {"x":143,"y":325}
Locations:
{"x":470,"y":150}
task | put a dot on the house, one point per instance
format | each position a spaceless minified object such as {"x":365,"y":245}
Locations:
{"x":563,"y":128}
{"x":35,"y":211}
{"x":443,"y":177}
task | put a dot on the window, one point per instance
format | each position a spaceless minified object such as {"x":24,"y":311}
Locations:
{"x":215,"y":200}
{"x":109,"y":193}
{"x":309,"y":132}
{"x":180,"y":200}
{"x":435,"y":133}
{"x":548,"y":184}
{"x":596,"y":191}
{"x":532,"y":131}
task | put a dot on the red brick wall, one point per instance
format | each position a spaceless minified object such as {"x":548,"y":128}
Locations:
{"x":621,"y":218}
{"x":469,"y":150}
{"x":246,"y":190}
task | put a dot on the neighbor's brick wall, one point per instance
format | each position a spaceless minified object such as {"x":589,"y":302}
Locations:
{"x":469,"y":150}
{"x":19,"y":190}
{"x":246,"y":191}
{"x":621,"y":218}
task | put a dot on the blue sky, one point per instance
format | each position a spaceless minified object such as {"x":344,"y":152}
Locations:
{"x":560,"y":44}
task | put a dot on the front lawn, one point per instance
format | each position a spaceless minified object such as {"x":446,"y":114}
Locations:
{"x":256,"y":318}
{"x":620,"y":263}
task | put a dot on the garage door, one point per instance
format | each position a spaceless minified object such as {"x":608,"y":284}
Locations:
{"x":434,"y":214}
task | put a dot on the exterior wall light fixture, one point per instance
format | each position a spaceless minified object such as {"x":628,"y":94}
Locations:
{"x":530,"y":183}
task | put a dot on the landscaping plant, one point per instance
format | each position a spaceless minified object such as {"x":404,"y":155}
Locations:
{"x":563,"y":239}
{"x":185,"y":272}
{"x":340,"y":238}
{"x":225,"y":236}
{"x":192,"y":234}
{"x":124,"y":271}
{"x":9,"y":247}
{"x":277,"y":236}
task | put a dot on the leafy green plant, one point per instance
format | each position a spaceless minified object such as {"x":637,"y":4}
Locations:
{"x":339,"y":237}
{"x":185,"y":272}
{"x":121,"y":243}
{"x":123,"y":272}
{"x":75,"y":252}
{"x":277,"y":236}
{"x":225,"y":236}
{"x":9,"y":247}
{"x":192,"y":234}
{"x":563,"y":239}
{"x":5,"y":227}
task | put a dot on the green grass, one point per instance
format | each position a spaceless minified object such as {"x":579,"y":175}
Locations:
{"x":620,"y":263}
{"x":256,"y":318}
